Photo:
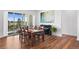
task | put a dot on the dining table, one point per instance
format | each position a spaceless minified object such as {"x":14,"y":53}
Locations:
{"x":36,"y":32}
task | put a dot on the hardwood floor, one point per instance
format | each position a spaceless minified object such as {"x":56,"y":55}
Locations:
{"x":51,"y":42}
{"x":75,"y":45}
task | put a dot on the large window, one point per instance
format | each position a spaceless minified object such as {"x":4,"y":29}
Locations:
{"x":15,"y":20}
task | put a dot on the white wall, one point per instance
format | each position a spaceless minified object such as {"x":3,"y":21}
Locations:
{"x":69,"y":22}
{"x":58,"y":22}
{"x":78,"y":25}
{"x":5,"y":23}
{"x":1,"y":23}
{"x":37,"y":21}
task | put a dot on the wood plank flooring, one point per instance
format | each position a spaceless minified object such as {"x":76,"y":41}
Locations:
{"x":51,"y":42}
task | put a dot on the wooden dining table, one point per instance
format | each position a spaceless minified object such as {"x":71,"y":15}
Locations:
{"x":34,"y":32}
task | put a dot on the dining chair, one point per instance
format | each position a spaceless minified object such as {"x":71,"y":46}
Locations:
{"x":21,"y":34}
{"x":28,"y":38}
{"x":40,"y":34}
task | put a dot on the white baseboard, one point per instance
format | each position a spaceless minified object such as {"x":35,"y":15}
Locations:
{"x":77,"y":38}
{"x":69,"y":34}
{"x":60,"y":35}
{"x":3,"y":36}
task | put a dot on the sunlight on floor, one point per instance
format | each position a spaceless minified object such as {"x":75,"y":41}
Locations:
{"x":11,"y":40}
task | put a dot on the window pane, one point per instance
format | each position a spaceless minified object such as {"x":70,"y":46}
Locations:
{"x":15,"y":20}
{"x":10,"y":21}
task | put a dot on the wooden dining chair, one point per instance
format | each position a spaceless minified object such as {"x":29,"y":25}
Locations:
{"x":40,"y":34}
{"x":27,"y":38}
{"x":20,"y":33}
{"x":23,"y":36}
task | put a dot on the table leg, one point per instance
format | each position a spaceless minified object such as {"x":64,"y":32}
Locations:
{"x":42,"y":37}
